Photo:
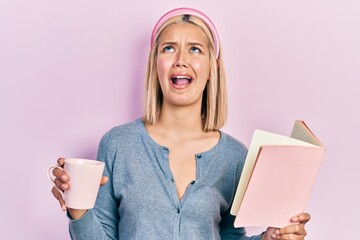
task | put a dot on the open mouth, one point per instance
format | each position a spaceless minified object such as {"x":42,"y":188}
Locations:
{"x":181,"y":80}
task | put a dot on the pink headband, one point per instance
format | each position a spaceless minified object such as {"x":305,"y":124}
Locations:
{"x":193,"y":12}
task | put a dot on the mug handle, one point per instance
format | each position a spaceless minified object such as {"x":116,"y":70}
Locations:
{"x":52,"y":178}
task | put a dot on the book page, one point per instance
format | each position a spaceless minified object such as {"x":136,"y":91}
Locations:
{"x":303,"y":133}
{"x":259,"y":138}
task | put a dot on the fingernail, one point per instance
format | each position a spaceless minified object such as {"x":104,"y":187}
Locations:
{"x":273,"y":235}
{"x":63,"y":207}
{"x":295,"y":219}
{"x":277,"y":232}
{"x":64,"y":178}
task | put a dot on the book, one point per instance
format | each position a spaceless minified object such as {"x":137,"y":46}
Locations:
{"x":277,"y":178}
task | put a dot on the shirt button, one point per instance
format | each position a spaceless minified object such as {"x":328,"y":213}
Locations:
{"x":192,"y":182}
{"x":198,"y":156}
{"x":178,"y":210}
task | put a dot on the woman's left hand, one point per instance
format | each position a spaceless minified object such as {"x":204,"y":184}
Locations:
{"x":294,"y":232}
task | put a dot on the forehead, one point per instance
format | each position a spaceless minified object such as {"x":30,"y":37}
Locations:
{"x":183,"y":30}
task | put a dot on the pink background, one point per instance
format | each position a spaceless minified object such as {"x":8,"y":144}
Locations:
{"x":70,"y":70}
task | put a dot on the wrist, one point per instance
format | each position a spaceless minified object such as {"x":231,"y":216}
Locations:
{"x":76,"y":213}
{"x":262,"y":236}
{"x":266,"y":235}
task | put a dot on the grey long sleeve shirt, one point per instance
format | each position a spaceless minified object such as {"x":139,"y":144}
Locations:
{"x":140,"y":200}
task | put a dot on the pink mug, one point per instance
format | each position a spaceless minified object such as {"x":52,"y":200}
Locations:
{"x":84,"y":181}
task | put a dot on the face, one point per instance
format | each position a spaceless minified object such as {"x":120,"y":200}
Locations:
{"x":183,"y":64}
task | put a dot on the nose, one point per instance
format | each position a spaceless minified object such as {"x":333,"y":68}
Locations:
{"x":181,"y":59}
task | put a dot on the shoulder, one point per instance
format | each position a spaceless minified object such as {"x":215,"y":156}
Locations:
{"x":232,"y":150}
{"x":235,"y":153}
{"x":123,"y":133}
{"x":126,"y":129}
{"x":234,"y":145}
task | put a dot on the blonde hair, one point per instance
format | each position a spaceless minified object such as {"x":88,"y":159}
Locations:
{"x":214,"y":99}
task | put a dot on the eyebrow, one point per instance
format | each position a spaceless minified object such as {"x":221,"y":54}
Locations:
{"x":188,"y":44}
{"x":195,"y":44}
{"x":168,"y":43}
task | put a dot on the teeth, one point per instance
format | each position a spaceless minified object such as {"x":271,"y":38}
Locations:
{"x":183,"y":77}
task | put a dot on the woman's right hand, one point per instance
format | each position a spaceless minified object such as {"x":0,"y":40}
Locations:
{"x":62,"y":182}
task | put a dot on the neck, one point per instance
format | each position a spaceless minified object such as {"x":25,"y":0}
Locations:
{"x":182,"y":121}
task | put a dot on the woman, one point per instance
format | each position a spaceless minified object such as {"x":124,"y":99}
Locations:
{"x":173,"y":174}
